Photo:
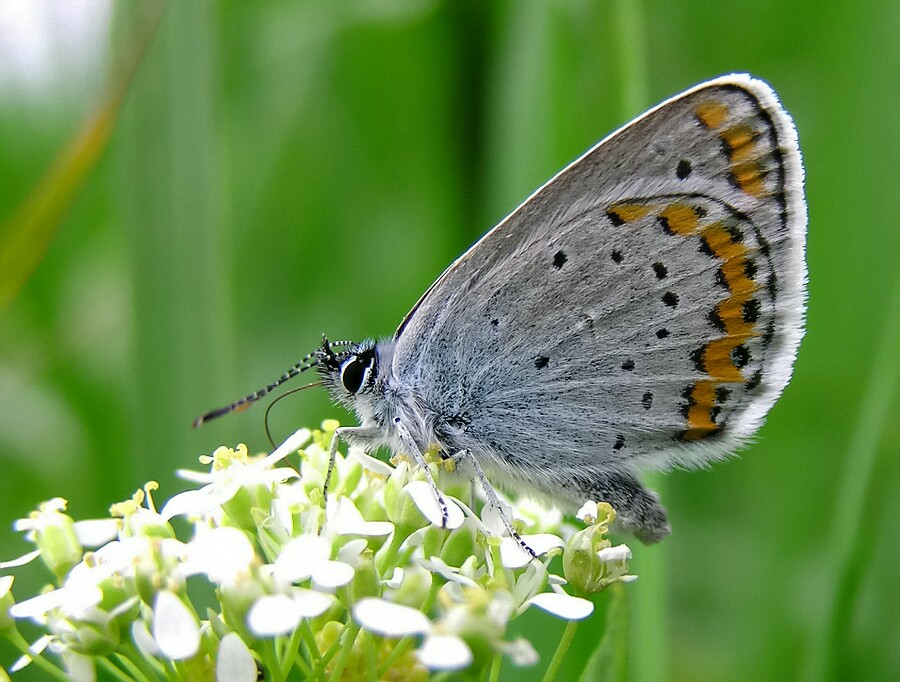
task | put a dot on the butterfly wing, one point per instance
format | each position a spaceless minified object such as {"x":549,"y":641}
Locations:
{"x":640,"y":310}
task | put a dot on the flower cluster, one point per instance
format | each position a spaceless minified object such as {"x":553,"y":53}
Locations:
{"x":372,"y":582}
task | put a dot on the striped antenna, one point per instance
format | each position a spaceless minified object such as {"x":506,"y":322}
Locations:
{"x":306,"y":363}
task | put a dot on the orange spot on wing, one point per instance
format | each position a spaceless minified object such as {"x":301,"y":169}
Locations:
{"x":699,"y":416}
{"x":711,"y":114}
{"x":734,"y":272}
{"x":680,"y":219}
{"x":717,"y":358}
{"x":748,"y":177}
{"x":721,"y":242}
{"x":741,"y":142}
{"x":628,"y":213}
{"x":731,"y":313}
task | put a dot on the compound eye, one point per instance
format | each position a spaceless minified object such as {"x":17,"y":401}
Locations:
{"x":353,"y":372}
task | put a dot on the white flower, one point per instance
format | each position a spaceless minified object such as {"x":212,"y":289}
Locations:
{"x":513,"y":555}
{"x":79,"y":667}
{"x":278,"y":614}
{"x":437,"y":565}
{"x":369,"y":463}
{"x":588,"y":512}
{"x":344,"y":519}
{"x":224,"y":555}
{"x":175,"y":627}
{"x":388,"y":619}
{"x":35,"y":649}
{"x":235,"y":662}
{"x":521,"y":652}
{"x":563,"y":605}
{"x":308,"y":556}
{"x":444,"y":652}
{"x":614,"y":554}
{"x":395,"y":580}
{"x":350,"y":553}
{"x":20,"y":561}
{"x":224,"y":483}
{"x":144,"y":640}
{"x":97,"y":532}
{"x":423,"y":496}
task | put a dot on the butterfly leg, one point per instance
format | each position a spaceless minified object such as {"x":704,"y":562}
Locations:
{"x":360,"y":435}
{"x":638,"y":511}
{"x":411,"y":448}
{"x":494,"y":500}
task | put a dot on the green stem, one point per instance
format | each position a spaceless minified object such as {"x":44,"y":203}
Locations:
{"x":564,"y":643}
{"x":37,"y":659}
{"x":319,"y":670}
{"x":129,"y":656}
{"x":346,"y":649}
{"x":114,"y":670}
{"x":398,"y":651}
{"x":134,"y":669}
{"x":496,"y":664}
{"x":269,"y":655}
{"x":387,"y":556}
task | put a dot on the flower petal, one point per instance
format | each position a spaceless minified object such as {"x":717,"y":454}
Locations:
{"x":37,"y":607}
{"x":423,"y":496}
{"x":273,"y":614}
{"x":96,"y":532}
{"x":588,"y":512}
{"x":198,"y":502}
{"x":521,"y":652}
{"x":21,"y":561}
{"x":143,"y":639}
{"x":445,"y":652}
{"x":79,"y":667}
{"x":612,"y":554}
{"x":293,"y":443}
{"x":344,"y":519}
{"x":388,"y":619}
{"x":514,"y":556}
{"x":6,"y":583}
{"x":350,"y":552}
{"x":394,"y":581}
{"x":329,"y":575}
{"x":311,"y":603}
{"x":223,"y":554}
{"x":235,"y":662}
{"x":563,"y":605}
{"x":369,"y":463}
{"x":175,"y":628}
{"x":300,"y":557}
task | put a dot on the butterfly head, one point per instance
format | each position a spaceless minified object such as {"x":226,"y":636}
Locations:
{"x":347,"y":369}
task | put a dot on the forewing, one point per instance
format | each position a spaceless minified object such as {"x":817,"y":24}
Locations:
{"x":643,"y":308}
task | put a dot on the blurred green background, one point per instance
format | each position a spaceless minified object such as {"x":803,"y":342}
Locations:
{"x":282,"y":169}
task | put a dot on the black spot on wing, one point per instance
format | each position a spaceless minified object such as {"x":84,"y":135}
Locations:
{"x":670,"y":298}
{"x":541,"y":361}
{"x":740,"y":356}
